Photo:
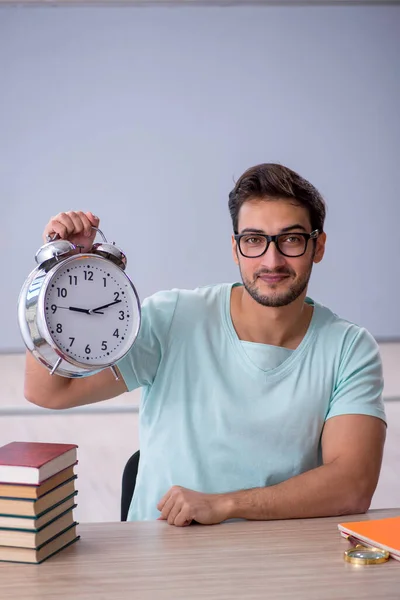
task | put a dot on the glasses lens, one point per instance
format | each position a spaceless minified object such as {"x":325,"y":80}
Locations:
{"x":252,"y":245}
{"x":292,"y":244}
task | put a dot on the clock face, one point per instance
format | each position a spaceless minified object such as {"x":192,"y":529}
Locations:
{"x":91,"y":310}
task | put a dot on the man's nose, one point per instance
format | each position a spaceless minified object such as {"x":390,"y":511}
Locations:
{"x":272,"y":257}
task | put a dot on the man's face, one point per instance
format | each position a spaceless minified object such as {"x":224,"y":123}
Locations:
{"x":274,"y":279}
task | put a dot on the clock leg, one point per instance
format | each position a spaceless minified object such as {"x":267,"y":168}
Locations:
{"x":114,"y":370}
{"x":54,"y":369}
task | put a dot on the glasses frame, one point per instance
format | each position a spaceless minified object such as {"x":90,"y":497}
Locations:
{"x":275,"y":238}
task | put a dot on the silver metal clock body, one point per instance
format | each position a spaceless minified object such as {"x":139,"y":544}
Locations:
{"x":78,"y":313}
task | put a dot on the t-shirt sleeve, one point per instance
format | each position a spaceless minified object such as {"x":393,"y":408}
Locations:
{"x":359,"y":384}
{"x":139,"y":366}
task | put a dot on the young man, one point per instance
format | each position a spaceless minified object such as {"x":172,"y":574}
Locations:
{"x":257,"y":402}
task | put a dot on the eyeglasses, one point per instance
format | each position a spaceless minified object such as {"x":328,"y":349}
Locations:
{"x":294,"y":244}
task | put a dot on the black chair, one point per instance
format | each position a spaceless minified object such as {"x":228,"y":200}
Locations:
{"x":128,"y":483}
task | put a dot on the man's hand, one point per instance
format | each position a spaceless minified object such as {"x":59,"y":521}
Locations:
{"x":181,"y":506}
{"x":75,"y":226}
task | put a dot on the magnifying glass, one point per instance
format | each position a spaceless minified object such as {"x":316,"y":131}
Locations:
{"x":364,"y":555}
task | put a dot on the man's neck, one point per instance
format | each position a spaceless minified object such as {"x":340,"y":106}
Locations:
{"x":284,"y":326}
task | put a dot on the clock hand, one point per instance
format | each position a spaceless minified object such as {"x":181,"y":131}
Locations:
{"x":81,"y":310}
{"x":95,"y":310}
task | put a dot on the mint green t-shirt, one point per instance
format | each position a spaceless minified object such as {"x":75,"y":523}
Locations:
{"x":219,"y":415}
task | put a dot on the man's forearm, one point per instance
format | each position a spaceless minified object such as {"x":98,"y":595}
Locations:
{"x":324,"y":491}
{"x":41,"y":388}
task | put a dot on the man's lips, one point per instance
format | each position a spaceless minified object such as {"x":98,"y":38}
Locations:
{"x":273,"y":278}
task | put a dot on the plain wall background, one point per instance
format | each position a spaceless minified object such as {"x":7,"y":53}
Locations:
{"x":146,"y":116}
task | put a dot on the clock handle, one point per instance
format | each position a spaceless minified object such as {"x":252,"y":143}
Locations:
{"x":101,"y":233}
{"x":49,"y":238}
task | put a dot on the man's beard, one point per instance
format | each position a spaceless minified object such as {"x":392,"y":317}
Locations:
{"x":276,"y":300}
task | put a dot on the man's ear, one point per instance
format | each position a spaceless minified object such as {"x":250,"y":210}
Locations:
{"x":320,"y":247}
{"x":235,"y":250}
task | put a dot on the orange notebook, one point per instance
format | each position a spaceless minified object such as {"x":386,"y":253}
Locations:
{"x":382,"y":533}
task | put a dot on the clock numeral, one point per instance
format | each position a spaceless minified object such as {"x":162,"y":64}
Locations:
{"x":59,"y":328}
{"x":116,"y":333}
{"x":116,"y":296}
{"x":61,"y":292}
{"x":53,"y":308}
{"x":104,"y":345}
{"x":121,"y":315}
{"x":73,"y":279}
{"x":105,"y":281}
{"x":72,"y":341}
{"x":87,"y":349}
{"x":88,"y":275}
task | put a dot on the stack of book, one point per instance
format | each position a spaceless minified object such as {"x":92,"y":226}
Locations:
{"x":37,"y":498}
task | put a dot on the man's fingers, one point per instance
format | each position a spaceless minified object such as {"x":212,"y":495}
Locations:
{"x":174,"y":512}
{"x":182,"y":519}
{"x":168,"y":507}
{"x":86,"y":225}
{"x":64,"y":225}
{"x":77,"y":222}
{"x":54,"y":227}
{"x":92,"y":218}
{"x":65,"y":221}
{"x":163,"y":500}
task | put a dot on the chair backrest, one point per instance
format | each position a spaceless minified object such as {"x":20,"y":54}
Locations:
{"x":128,"y":483}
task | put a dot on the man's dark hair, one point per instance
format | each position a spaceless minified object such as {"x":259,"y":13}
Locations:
{"x":271,"y":181}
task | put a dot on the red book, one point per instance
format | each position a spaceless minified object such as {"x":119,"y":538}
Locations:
{"x":33,"y":462}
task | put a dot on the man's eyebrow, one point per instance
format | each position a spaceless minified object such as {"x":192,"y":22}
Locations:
{"x":284,"y":230}
{"x":297,"y":226}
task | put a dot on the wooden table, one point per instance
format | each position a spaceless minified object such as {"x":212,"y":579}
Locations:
{"x":243,"y":559}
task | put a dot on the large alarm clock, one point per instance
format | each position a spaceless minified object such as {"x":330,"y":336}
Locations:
{"x":79,"y":313}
